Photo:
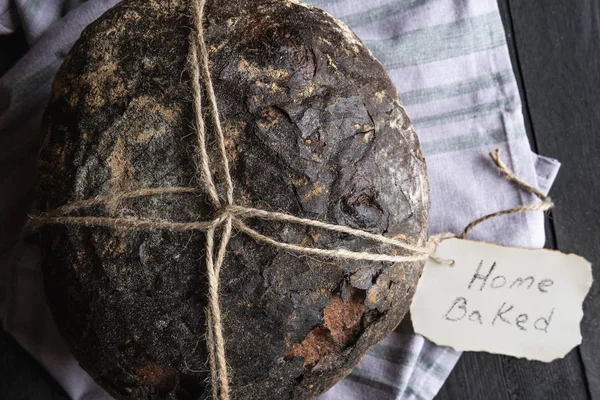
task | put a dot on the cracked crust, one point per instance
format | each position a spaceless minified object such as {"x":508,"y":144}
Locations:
{"x":313,"y":127}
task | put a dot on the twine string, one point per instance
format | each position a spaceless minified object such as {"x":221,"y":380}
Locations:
{"x":215,"y":341}
{"x":229,"y":215}
{"x":545,"y":205}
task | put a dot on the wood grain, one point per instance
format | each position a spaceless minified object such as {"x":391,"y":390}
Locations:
{"x":476,"y":376}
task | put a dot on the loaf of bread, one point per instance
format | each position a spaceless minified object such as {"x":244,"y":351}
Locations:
{"x":313,"y":127}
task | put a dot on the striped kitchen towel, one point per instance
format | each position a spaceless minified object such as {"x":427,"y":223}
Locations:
{"x":450,"y":63}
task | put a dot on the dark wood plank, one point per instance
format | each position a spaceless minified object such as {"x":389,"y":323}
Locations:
{"x":493,"y":377}
{"x":560,"y":379}
{"x":558,"y":43}
{"x":21,"y":377}
{"x":476,"y":376}
{"x":12,"y":47}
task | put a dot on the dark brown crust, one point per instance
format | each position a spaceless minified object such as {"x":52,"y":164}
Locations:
{"x":314,"y":128}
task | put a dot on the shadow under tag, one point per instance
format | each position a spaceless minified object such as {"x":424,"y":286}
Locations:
{"x":505,"y":300}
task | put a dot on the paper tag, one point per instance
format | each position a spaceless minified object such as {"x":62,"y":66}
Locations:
{"x":505,"y":300}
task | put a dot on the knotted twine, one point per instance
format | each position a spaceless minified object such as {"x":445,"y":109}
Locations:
{"x":229,"y":215}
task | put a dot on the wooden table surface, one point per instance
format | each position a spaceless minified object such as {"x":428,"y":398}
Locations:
{"x":555,"y":49}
